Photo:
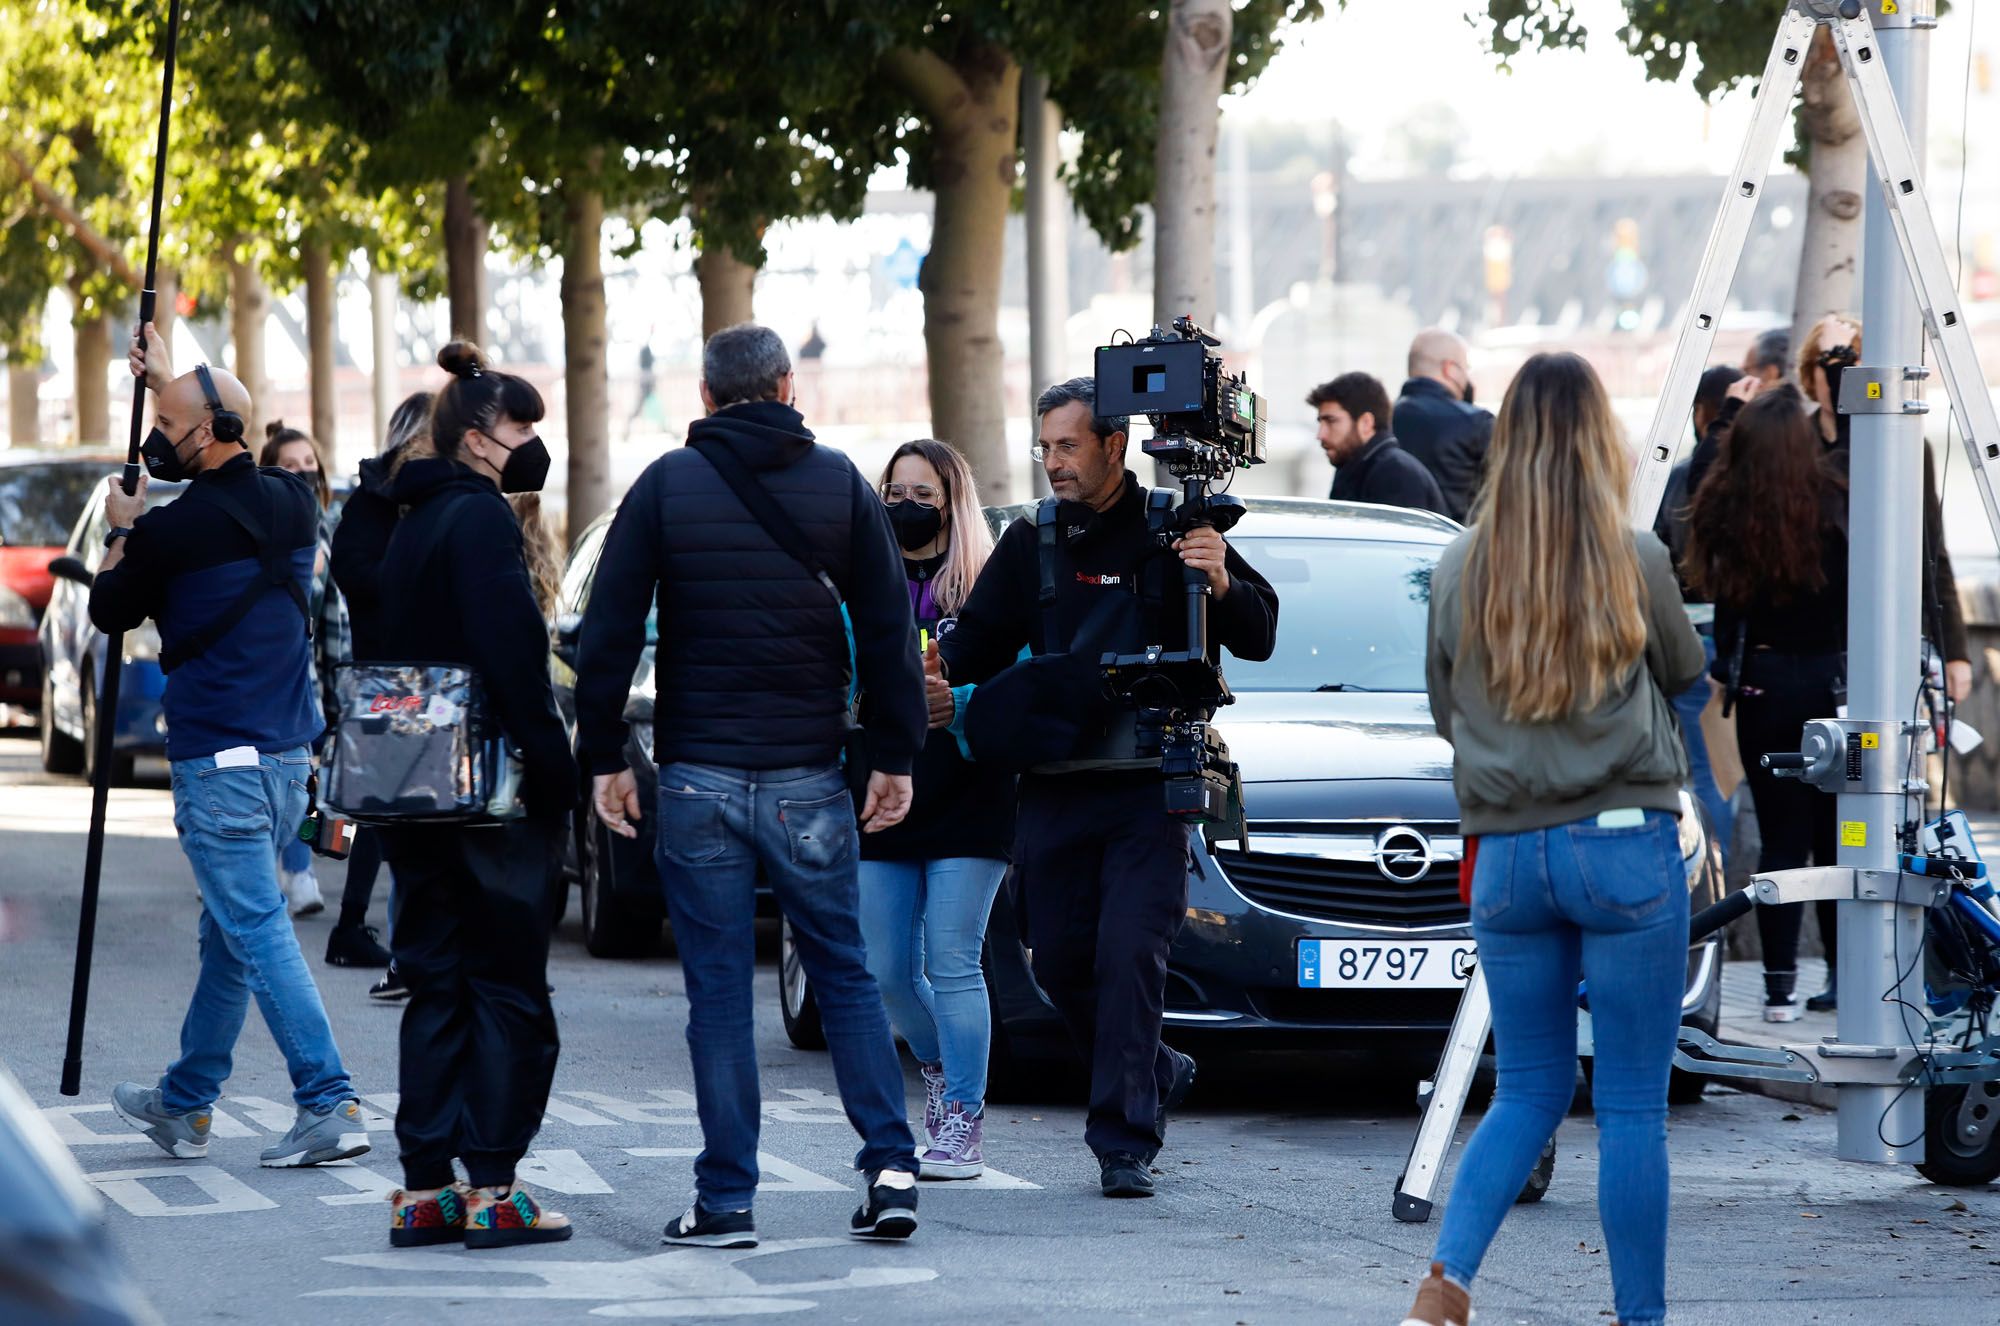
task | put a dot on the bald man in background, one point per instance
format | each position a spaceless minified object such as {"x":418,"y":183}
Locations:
{"x":225,"y":570}
{"x":1437,"y":422}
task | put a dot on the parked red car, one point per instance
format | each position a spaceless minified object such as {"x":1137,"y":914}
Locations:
{"x":41,"y":495}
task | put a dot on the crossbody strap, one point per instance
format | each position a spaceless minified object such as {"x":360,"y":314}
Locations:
{"x":764,"y":508}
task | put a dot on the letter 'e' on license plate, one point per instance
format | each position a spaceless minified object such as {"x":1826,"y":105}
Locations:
{"x":1367,"y":964}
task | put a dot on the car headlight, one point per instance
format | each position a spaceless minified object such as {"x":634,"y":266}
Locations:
{"x":142,"y":644}
{"x":15,"y":611}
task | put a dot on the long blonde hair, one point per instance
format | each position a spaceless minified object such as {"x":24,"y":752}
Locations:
{"x":1552,"y":581}
{"x":538,"y":541}
{"x":971,"y":541}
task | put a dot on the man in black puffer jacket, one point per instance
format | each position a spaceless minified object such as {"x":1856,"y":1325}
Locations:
{"x":754,"y":683}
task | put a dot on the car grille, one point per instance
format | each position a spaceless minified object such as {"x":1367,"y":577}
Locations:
{"x":1349,"y":891}
{"x":1389,"y":1010}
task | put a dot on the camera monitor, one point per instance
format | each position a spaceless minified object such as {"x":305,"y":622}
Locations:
{"x":1151,"y":377}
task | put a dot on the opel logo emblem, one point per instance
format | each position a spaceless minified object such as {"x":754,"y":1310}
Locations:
{"x":1403,"y":855}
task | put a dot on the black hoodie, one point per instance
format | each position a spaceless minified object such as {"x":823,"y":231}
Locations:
{"x":471,"y":602}
{"x":752,"y":661}
{"x":367,"y":519}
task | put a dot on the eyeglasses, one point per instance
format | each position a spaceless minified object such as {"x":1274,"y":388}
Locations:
{"x":1064,"y":450}
{"x":920,"y":493}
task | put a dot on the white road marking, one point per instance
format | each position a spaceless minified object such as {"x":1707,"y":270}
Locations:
{"x":75,"y":1132}
{"x":686,"y":1282}
{"x":791,"y":1178}
{"x":667,"y":1107}
{"x":576,"y":1114}
{"x":560,"y":1171}
{"x":367,"y":1184}
{"x":265,"y":1113}
{"x":226,"y":1193}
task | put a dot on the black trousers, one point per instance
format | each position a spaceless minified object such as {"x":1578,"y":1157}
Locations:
{"x":471,"y":940}
{"x":364,"y":862}
{"x":1104,"y":874}
{"x":1797,"y":821}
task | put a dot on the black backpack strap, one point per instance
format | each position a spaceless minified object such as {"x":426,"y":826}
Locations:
{"x":764,"y":509}
{"x":275,"y":571}
{"x":1045,"y":545}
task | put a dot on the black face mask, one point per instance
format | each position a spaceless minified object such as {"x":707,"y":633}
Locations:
{"x":917,"y":526}
{"x":163,"y":457}
{"x":527,"y":467}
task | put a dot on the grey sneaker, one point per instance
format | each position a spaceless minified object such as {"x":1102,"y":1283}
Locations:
{"x":183,"y":1136}
{"x":316,"y":1139}
{"x":933,"y":1075}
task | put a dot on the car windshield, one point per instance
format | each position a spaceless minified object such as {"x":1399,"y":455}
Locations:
{"x":1353,"y":615}
{"x":39,"y":504}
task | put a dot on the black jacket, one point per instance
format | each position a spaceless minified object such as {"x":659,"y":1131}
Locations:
{"x":367,"y":519}
{"x":186,"y":563}
{"x":1677,"y":503}
{"x":962,"y":809}
{"x":1385,"y":474}
{"x":752,"y":660}
{"x":471,"y":602}
{"x":1448,"y":436}
{"x":1098,"y":554}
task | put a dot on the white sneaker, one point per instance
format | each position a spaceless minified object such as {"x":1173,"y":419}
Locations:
{"x":301,"y":889}
{"x":1781,"y":1011}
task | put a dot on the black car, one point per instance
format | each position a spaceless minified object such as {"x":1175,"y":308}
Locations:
{"x":1342,"y":916}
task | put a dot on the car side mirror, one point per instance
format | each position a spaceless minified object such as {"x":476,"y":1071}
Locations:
{"x":73,"y":570}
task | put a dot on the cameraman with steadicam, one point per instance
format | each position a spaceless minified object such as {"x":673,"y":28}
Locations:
{"x":1102,"y":865}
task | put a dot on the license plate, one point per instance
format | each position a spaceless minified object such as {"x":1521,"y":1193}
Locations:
{"x":1365,"y":964}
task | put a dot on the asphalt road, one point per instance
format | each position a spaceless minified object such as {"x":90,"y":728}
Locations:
{"x":1274,"y":1188}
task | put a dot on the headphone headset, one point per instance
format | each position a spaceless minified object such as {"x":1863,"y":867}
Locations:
{"x":227,"y":425}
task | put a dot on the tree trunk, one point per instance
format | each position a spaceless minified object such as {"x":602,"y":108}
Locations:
{"x":24,"y":392}
{"x":320,"y":338}
{"x":728,"y":285}
{"x":465,"y":261}
{"x":1191,"y":79}
{"x":1047,"y":207}
{"x":972,"y":108}
{"x":584,"y":377}
{"x":249,"y":306}
{"x":1837,"y":175}
{"x":93,"y":368}
{"x":382,"y":303}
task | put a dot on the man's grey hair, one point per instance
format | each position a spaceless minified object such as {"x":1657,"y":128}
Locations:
{"x":1773,"y":349}
{"x":1082,"y":391}
{"x":744,"y":363}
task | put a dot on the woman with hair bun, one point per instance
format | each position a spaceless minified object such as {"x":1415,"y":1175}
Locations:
{"x":473,"y":906}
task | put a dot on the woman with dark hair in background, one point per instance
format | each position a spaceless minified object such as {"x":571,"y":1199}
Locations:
{"x":1556,"y":636}
{"x":367,"y":519}
{"x":473,"y":906}
{"x":297,"y":452}
{"x":1767,"y":541}
{"x":927,"y":885}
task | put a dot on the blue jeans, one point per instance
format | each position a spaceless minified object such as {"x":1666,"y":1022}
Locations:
{"x":716,"y":828}
{"x":925,"y":922}
{"x":1689,"y":705}
{"x":232,"y":823}
{"x":1611,"y":906}
{"x":295,"y":855}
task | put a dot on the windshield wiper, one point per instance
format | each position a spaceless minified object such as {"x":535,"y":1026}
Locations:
{"x":1341,"y":686}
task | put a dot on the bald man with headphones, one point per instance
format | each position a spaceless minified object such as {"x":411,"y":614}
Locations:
{"x":225,"y":570}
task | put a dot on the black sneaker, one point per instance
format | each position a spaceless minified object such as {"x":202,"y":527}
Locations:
{"x":713,"y":1229}
{"x":889,"y":1213}
{"x":390,"y":989}
{"x":1125,"y":1175}
{"x":1827,"y":1000}
{"x":1184,"y":1068}
{"x":355,"y":946}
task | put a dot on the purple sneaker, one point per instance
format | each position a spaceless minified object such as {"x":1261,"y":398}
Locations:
{"x":955,"y":1151}
{"x":933,"y":1075}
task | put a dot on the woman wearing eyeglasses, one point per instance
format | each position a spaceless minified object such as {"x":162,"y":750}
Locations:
{"x":928,"y":883}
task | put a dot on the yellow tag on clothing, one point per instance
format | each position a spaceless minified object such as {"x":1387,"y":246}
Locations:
{"x":1853,"y":833}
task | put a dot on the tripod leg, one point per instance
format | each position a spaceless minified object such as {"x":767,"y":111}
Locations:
{"x":1445,"y":1103}
{"x":1740,"y":198}
{"x":1896,"y":167}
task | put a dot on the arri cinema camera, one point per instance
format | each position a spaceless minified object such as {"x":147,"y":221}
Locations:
{"x":1207,"y":424}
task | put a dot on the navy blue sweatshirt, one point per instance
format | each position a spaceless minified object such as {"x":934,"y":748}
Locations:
{"x":471,"y":602}
{"x":185,"y":564}
{"x":752,"y":659}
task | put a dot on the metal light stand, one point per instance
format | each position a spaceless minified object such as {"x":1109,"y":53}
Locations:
{"x":114,"y":641}
{"x":1884,"y":1056}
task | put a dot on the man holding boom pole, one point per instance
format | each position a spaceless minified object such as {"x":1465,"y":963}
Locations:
{"x":225,"y":570}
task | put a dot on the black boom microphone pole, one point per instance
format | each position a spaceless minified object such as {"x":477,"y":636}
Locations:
{"x":114,"y":641}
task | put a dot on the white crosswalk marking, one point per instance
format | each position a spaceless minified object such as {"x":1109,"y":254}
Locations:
{"x":789,"y":1177}
{"x":561,"y":1171}
{"x":144,"y":1192}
